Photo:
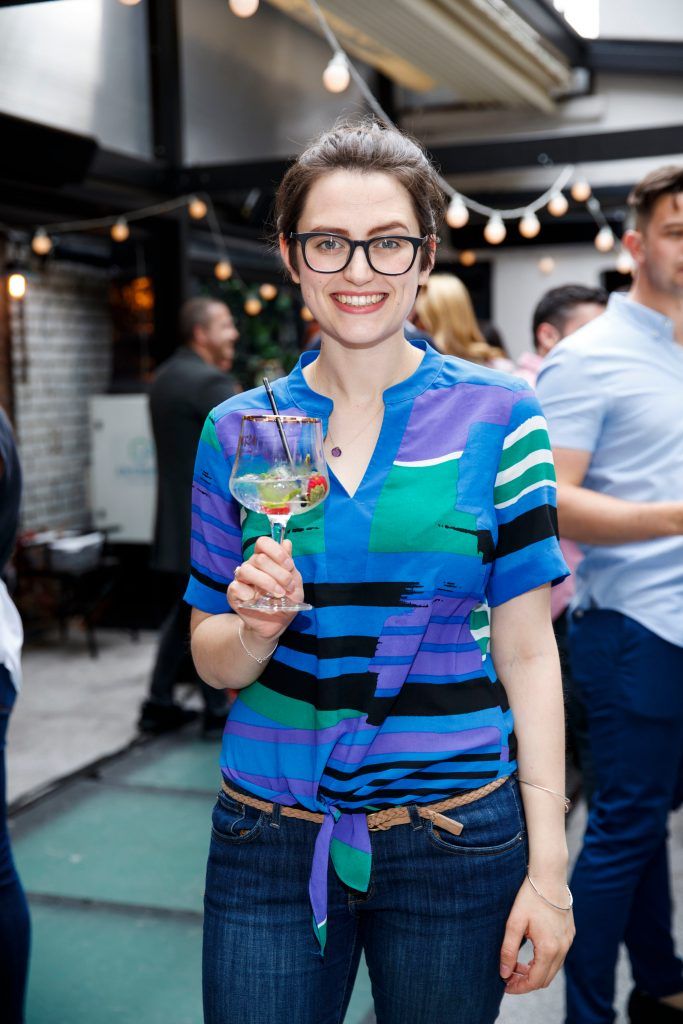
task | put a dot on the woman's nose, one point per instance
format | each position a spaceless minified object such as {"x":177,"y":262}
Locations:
{"x":358,"y":270}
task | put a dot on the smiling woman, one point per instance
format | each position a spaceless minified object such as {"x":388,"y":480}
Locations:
{"x":368,"y":763}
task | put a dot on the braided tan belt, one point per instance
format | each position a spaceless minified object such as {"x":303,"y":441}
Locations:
{"x":379,"y":821}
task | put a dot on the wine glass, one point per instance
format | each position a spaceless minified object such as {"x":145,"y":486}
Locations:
{"x":279,"y":483}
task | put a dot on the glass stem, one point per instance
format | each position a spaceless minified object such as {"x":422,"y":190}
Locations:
{"x":278,"y":527}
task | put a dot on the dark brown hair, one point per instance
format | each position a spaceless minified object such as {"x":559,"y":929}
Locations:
{"x":665,"y":181}
{"x":368,"y":146}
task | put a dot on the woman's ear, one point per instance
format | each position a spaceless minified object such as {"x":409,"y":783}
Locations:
{"x":286,"y":259}
{"x":430,"y":248}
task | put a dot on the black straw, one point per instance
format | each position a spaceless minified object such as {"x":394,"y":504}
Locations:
{"x":278,"y":420}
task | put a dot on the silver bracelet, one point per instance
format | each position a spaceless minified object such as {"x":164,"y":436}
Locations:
{"x":550,"y":902}
{"x":567,"y":801}
{"x":259,"y":660}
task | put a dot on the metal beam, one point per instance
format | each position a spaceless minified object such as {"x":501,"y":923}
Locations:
{"x":634,"y":57}
{"x":166,"y":92}
{"x":472,"y":157}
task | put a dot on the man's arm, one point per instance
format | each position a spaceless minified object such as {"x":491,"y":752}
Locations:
{"x":593,"y":518}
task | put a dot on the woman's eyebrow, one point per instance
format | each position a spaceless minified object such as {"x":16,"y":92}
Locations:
{"x":379,"y":230}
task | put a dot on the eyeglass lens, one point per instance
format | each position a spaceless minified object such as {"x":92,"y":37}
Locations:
{"x":387,"y":255}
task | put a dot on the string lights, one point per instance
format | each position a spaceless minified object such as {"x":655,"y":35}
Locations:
{"x":336,"y":76}
{"x":253,"y":306}
{"x":197,"y":208}
{"x":529,"y":225}
{"x":243,"y":8}
{"x":120,"y":231}
{"x":558,"y":204}
{"x":16,"y":286}
{"x":624,"y":262}
{"x":495,"y":230}
{"x":457,"y":214}
{"x":41,"y":242}
{"x":223,"y":270}
{"x":580,"y":190}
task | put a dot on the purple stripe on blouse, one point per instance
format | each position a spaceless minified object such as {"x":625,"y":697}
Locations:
{"x":437,"y":426}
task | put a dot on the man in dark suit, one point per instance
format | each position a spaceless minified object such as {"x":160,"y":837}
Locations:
{"x":186,"y":388}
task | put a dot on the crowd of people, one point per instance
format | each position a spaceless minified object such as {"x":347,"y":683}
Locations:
{"x":393,"y":760}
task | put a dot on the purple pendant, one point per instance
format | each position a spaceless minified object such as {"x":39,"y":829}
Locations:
{"x":336,"y":451}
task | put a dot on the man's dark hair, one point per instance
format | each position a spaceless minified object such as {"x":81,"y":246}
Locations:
{"x":665,"y":181}
{"x":557,"y":305}
{"x":195,"y":313}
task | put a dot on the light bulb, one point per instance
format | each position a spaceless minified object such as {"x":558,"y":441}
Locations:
{"x":604,"y":240}
{"x":468,"y":257}
{"x":243,"y":8}
{"x":624,"y":263}
{"x":457,"y":213}
{"x":336,"y":76}
{"x":16,"y":286}
{"x":223,"y":270}
{"x":546,"y":264}
{"x":120,"y":231}
{"x":558,"y":204}
{"x":306,"y":314}
{"x":529,"y":225}
{"x":267,"y":291}
{"x":197,"y":208}
{"x":495,"y":230}
{"x":581,"y":190}
{"x":129,"y":3}
{"x":41,"y":242}
{"x":253,"y":306}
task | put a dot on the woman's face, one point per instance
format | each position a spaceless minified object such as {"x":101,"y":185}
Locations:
{"x":358,"y":306}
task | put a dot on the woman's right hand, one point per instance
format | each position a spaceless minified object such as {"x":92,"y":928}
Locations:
{"x":269,"y":570}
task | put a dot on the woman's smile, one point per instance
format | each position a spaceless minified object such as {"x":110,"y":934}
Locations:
{"x":357,"y":303}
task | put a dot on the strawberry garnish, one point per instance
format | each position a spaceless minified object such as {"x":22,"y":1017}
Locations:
{"x":317,"y":488}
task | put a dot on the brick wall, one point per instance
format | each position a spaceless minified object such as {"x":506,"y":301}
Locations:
{"x":68,"y":348}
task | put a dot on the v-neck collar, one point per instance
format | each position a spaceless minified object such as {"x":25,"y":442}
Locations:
{"x":315,"y":404}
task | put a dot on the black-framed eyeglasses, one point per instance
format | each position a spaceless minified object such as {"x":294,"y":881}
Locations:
{"x":326,"y":253}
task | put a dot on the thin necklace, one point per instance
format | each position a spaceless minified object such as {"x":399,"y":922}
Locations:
{"x":336,"y":451}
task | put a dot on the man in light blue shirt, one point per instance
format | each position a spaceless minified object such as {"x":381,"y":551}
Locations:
{"x":613,"y":396}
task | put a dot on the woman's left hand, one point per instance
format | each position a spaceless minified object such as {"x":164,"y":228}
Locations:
{"x":551,"y":932}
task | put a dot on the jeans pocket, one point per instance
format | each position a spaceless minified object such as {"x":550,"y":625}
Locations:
{"x":234,"y":822}
{"x":492,"y":825}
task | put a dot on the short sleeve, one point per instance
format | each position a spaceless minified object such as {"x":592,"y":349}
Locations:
{"x":216,"y":538}
{"x":573,"y":403}
{"x":527,"y":552}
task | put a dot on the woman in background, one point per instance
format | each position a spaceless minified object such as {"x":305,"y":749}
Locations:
{"x":444,"y":308}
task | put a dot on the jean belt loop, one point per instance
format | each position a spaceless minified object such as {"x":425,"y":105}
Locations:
{"x":275,"y":815}
{"x":415,"y":820}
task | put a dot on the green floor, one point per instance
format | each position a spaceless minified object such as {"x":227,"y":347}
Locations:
{"x":113,"y":866}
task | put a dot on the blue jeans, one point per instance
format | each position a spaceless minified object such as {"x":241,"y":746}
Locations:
{"x":14,"y":919}
{"x":431,"y":924}
{"x":631,"y":683}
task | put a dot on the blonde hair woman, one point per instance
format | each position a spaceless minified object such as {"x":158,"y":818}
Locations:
{"x":445,"y":309}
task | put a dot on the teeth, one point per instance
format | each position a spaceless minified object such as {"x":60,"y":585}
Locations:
{"x":359,"y":300}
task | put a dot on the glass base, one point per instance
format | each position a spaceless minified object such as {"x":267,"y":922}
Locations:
{"x":273,"y":605}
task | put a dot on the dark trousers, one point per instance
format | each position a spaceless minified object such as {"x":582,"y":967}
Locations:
{"x":14,"y":918}
{"x":174,"y":652}
{"x":631,"y":683}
